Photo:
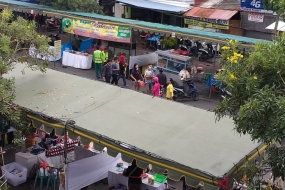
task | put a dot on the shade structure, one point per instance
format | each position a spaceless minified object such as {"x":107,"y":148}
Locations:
{"x":210,"y":13}
{"x":134,"y":24}
{"x":159,"y":5}
{"x":181,"y":139}
{"x":280,"y":27}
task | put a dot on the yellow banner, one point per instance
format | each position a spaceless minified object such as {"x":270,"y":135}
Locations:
{"x":97,"y":30}
{"x":205,"y":24}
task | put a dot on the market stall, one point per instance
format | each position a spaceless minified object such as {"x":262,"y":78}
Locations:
{"x":118,"y":38}
{"x":115,"y":178}
{"x":50,"y":55}
{"x":77,"y":60}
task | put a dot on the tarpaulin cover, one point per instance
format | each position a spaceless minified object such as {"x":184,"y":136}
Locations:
{"x":181,"y":139}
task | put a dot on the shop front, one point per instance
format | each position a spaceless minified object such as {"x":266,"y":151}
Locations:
{"x":86,"y":34}
{"x":213,"y":20}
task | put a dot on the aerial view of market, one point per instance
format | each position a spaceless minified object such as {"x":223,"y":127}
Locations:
{"x":142,"y":94}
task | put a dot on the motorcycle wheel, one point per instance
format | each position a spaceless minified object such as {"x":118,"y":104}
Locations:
{"x":195,"y":96}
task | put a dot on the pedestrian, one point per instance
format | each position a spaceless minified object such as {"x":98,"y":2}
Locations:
{"x":134,"y":173}
{"x":149,"y":75}
{"x":115,"y":71}
{"x":106,"y":55}
{"x":136,"y":76}
{"x":156,"y":87}
{"x":162,"y":79}
{"x":98,"y":58}
{"x":122,"y":69}
{"x":107,"y":71}
{"x":169,"y":91}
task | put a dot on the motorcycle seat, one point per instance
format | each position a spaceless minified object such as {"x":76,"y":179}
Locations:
{"x":180,"y":87}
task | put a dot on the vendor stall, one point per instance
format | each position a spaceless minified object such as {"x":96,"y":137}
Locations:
{"x":50,"y":56}
{"x":77,"y":60}
{"x":115,"y":177}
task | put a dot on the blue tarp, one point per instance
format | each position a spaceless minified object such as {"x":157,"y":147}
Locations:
{"x":159,"y":28}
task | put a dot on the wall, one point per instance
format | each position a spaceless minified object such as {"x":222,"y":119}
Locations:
{"x":257,"y":29}
{"x":234,"y":28}
{"x":119,"y":10}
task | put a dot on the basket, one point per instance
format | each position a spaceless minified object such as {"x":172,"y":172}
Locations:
{"x":159,"y":178}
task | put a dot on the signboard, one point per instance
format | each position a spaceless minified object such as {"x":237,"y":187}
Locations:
{"x":251,"y":5}
{"x":57,"y":49}
{"x":97,"y":30}
{"x":205,"y":24}
{"x":255,"y":17}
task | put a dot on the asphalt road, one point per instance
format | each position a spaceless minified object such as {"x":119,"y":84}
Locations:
{"x":204,"y":103}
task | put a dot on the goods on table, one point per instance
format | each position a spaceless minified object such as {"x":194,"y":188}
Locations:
{"x":62,"y":179}
{"x":159,"y":178}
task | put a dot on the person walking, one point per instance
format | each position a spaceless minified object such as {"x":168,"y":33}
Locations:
{"x":136,"y":75}
{"x":107,"y":71}
{"x":115,"y":71}
{"x":156,"y":87}
{"x":162,"y":80}
{"x":169,"y":91}
{"x":122,"y":69}
{"x":149,"y":75}
{"x":98,"y":59}
{"x":106,"y":55}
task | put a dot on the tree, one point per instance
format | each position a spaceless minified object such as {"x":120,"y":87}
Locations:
{"x":257,"y":85}
{"x":278,"y":6}
{"x":16,"y":37}
{"x":75,"y":5}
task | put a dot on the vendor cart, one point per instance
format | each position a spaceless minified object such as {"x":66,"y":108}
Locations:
{"x":172,"y":62}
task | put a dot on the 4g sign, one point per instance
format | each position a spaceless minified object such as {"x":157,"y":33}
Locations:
{"x":251,"y":5}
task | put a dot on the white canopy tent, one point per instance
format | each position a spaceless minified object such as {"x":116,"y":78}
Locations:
{"x":280,"y":27}
{"x":181,"y":139}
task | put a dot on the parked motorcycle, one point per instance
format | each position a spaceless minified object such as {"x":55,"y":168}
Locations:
{"x":224,"y":94}
{"x":53,"y":24}
{"x":53,"y":38}
{"x":207,"y":53}
{"x":190,"y":50}
{"x":179,"y":91}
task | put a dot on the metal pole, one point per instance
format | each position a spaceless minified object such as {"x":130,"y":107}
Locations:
{"x":65,"y":153}
{"x":115,"y":9}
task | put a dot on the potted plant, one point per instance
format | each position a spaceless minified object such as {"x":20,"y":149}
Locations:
{"x":170,"y":43}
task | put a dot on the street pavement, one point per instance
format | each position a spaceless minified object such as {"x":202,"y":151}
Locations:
{"x":204,"y":103}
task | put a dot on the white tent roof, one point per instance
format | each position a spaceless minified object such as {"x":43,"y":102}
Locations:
{"x":185,"y":134}
{"x":280,"y":27}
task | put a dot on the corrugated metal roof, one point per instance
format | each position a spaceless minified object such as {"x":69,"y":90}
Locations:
{"x":210,"y":13}
{"x":159,"y":5}
{"x":221,"y":4}
{"x":141,"y":25}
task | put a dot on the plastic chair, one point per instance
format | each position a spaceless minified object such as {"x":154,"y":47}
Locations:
{"x":41,"y":175}
{"x":53,"y":177}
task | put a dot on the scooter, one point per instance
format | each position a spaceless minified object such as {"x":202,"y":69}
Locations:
{"x":53,"y":25}
{"x":224,"y":94}
{"x":179,"y":92}
{"x":53,"y":37}
{"x":207,"y":53}
{"x":190,"y":50}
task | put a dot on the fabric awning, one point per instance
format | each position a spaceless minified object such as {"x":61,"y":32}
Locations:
{"x":217,"y":14}
{"x":280,"y":27}
{"x":159,"y":5}
{"x":170,"y":136}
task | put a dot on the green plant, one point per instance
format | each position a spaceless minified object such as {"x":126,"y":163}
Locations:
{"x":5,"y":186}
{"x":171,"y":42}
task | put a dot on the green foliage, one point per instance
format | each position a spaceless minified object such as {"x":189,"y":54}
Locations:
{"x":171,"y":42}
{"x":257,"y":85}
{"x":277,"y":6}
{"x":75,"y":5}
{"x":16,"y":36}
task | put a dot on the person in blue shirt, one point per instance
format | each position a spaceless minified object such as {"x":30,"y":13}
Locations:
{"x":115,"y":71}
